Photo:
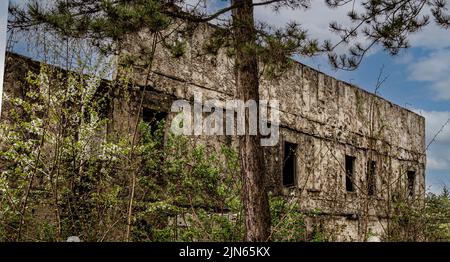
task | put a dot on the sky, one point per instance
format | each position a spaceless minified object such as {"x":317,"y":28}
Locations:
{"x":418,"y":78}
{"x":3,"y":20}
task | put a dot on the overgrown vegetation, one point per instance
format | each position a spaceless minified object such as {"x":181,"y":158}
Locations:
{"x":63,"y":173}
{"x":429,"y":223}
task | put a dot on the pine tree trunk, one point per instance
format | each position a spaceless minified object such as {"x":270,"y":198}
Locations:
{"x":254,"y":194}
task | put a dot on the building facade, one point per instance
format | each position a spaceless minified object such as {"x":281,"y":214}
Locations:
{"x":343,"y":153}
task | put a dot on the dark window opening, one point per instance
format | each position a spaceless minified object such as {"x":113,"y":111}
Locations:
{"x":152,"y":117}
{"x":289,"y":166}
{"x":371,"y":176}
{"x":104,"y":108}
{"x":411,"y":181}
{"x":349,"y":170}
{"x":155,"y":123}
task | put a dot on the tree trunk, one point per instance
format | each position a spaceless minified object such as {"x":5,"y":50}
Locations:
{"x":254,"y":194}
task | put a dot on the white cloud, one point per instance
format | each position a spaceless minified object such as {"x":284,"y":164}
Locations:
{"x":432,"y":36}
{"x":431,"y":67}
{"x":315,"y":19}
{"x":435,"y":69}
{"x":434,"y":122}
{"x":438,"y":155}
{"x":435,"y":163}
{"x":312,"y":19}
{"x":438,"y":158}
{"x":404,"y":58}
{"x":438,"y":167}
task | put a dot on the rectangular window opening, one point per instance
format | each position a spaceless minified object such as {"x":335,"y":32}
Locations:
{"x":411,"y":182}
{"x":153,"y":117}
{"x":371,"y":177}
{"x":289,"y":164}
{"x":349,"y":173}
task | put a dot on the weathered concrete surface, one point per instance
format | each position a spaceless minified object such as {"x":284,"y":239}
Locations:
{"x":16,"y":70}
{"x":325,"y":117}
{"x":328,"y":119}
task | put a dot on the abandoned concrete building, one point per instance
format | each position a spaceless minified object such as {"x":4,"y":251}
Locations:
{"x":354,"y":151}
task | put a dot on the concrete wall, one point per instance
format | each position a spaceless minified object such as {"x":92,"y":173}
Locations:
{"x":326,"y":118}
{"x":16,"y":70}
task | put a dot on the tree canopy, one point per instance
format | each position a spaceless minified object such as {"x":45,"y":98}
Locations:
{"x":387,"y":23}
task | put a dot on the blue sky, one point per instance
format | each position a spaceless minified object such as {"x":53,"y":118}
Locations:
{"x":419,"y":78}
{"x":3,"y":15}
